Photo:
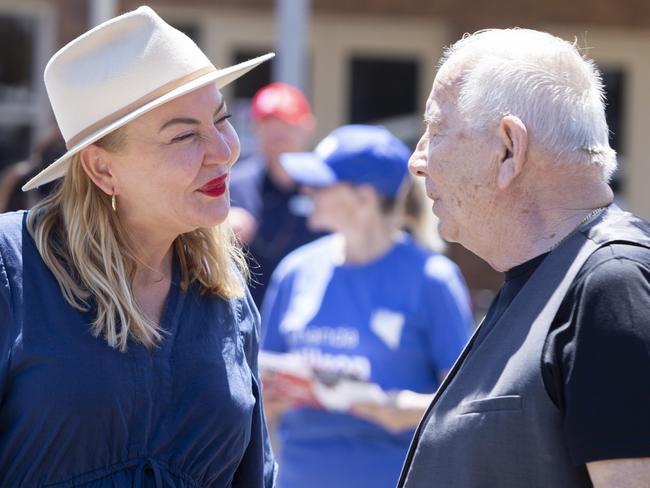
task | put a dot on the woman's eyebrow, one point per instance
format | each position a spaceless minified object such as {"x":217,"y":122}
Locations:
{"x":179,"y":120}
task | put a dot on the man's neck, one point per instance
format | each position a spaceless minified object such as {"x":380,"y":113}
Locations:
{"x":538,"y":229}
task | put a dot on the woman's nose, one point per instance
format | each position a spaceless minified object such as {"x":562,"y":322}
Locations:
{"x":221,"y":148}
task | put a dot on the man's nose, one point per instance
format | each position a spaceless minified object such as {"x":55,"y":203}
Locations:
{"x":418,"y":160}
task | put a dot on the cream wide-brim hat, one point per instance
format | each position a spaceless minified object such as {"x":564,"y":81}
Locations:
{"x":118,"y":71}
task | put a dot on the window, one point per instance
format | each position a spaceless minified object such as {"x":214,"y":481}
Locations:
{"x":382,"y":88}
{"x":16,"y":58}
{"x":18,"y":35}
{"x":242,"y":92}
{"x":190,"y":30}
{"x":14,"y":143}
{"x":246,"y":86}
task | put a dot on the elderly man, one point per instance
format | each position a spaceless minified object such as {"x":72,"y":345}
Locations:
{"x":553,"y":389}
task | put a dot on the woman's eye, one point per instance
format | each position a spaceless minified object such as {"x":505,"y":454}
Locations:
{"x":183,"y":137}
{"x":222,"y":119}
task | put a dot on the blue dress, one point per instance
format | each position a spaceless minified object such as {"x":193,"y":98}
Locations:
{"x":75,"y":412}
{"x":398,"y":321}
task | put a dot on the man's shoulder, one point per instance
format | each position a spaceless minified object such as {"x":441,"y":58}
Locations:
{"x":614,"y":268}
{"x":618,"y":253}
{"x":618,"y":225}
{"x":624,"y":240}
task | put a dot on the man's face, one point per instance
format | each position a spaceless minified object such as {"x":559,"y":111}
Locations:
{"x":457,"y":163}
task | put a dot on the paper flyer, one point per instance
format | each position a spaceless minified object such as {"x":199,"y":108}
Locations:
{"x":338,"y":394}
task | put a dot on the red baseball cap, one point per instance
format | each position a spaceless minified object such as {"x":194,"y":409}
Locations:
{"x":280,"y":100}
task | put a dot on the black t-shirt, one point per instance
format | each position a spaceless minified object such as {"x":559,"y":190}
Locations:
{"x":596,"y":359}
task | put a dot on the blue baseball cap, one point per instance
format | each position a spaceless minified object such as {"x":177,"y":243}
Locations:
{"x":356,"y":154}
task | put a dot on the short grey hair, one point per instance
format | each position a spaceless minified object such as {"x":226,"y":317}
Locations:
{"x":541,"y":79}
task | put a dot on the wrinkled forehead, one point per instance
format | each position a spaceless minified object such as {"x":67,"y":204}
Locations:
{"x":451,"y":73}
{"x":445,"y":91}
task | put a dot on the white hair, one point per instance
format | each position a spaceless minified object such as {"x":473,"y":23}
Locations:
{"x":544,"y":81}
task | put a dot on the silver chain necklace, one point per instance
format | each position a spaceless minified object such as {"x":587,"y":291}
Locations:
{"x":589,"y":216}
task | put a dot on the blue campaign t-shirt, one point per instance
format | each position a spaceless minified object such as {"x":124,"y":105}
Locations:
{"x":398,"y":321}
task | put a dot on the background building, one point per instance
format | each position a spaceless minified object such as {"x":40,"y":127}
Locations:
{"x":367,"y":61}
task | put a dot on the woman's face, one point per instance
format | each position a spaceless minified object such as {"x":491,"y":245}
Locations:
{"x":172,"y":175}
{"x":335,"y":208}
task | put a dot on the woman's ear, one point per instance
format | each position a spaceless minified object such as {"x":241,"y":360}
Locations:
{"x":97,"y":164}
{"x":514,"y":138}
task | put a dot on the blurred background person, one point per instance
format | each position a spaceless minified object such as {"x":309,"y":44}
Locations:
{"x":367,"y":303}
{"x":268,"y":214}
{"x":14,"y":176}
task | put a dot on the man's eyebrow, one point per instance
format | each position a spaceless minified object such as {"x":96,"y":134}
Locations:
{"x":187,"y":120}
{"x":431,"y":119}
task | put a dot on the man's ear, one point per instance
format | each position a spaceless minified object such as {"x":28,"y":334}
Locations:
{"x":97,"y":164}
{"x":514,"y":137}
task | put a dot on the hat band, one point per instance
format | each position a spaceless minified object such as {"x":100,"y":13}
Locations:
{"x":149,"y":97}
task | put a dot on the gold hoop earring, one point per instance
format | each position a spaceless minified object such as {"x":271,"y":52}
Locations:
{"x":113,"y":202}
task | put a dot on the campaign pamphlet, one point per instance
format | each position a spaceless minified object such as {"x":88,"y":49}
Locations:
{"x":336,"y":393}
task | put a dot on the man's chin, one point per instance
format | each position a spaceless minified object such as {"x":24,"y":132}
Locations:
{"x":447,"y":231}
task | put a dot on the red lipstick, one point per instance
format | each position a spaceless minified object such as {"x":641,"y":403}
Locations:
{"x":215,"y":188}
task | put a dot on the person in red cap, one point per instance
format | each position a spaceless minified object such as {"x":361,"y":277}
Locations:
{"x":267,"y":212}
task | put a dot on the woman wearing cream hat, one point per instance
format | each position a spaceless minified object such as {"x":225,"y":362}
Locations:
{"x":128,"y":339}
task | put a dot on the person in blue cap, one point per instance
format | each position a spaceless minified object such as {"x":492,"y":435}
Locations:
{"x":366,"y":304}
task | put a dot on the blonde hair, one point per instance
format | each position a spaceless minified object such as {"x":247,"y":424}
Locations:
{"x":83,"y":243}
{"x":411,"y":209}
{"x":418,"y":218}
